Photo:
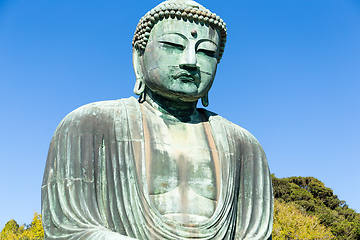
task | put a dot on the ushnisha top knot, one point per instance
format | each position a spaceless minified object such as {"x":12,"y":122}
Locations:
{"x":186,"y":10}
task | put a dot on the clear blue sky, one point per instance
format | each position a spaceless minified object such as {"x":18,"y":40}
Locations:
{"x":290,"y":75}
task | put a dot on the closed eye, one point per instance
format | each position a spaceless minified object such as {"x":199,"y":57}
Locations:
{"x":173,"y":45}
{"x":207,"y":52}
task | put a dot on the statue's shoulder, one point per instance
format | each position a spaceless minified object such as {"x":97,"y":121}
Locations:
{"x":235,"y":130}
{"x":99,"y":113}
{"x":104,"y":107}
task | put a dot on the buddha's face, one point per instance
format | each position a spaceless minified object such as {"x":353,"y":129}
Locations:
{"x":180,"y":59}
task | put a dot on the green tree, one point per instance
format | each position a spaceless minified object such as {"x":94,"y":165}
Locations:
{"x":292,"y":223}
{"x":320,"y":201}
{"x":34,"y":231}
{"x":12,"y":230}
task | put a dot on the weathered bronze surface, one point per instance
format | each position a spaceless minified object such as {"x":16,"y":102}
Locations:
{"x":158,"y":167}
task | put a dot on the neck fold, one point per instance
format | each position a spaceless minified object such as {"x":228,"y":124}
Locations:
{"x":167,"y":106}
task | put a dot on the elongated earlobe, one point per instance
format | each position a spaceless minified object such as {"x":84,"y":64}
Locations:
{"x":139,"y":86}
{"x":205,"y":100}
{"x":140,"y":83}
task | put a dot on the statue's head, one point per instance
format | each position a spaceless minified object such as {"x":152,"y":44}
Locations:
{"x":176,"y":49}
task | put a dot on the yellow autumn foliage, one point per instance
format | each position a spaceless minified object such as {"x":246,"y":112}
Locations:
{"x":291,"y":223}
{"x":12,"y":230}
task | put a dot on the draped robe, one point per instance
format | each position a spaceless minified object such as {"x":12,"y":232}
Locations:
{"x":95,"y":186}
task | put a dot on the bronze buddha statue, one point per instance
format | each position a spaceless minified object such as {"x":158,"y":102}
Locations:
{"x":157,"y":167}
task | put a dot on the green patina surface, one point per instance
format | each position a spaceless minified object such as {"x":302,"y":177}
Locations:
{"x":158,"y":167}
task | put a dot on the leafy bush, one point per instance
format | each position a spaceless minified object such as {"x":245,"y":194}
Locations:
{"x":319,"y":201}
{"x":292,"y":223}
{"x":12,"y":230}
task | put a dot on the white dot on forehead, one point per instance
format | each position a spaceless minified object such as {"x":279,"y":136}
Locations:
{"x":193,"y":32}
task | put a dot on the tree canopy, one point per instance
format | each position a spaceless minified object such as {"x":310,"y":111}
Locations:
{"x":34,"y":231}
{"x":310,"y":196}
{"x":292,"y":223}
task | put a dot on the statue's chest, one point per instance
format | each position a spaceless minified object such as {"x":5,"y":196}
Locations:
{"x":182,"y":168}
{"x":179,"y":155}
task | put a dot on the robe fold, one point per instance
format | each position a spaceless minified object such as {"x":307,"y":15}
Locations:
{"x":95,"y":185}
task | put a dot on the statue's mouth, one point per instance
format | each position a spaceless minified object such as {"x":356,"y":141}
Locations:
{"x":187,"y":77}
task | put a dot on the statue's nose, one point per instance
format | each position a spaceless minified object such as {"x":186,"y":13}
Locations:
{"x":188,"y":59}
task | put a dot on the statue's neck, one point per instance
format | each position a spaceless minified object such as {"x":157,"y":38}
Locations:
{"x":167,"y":106}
